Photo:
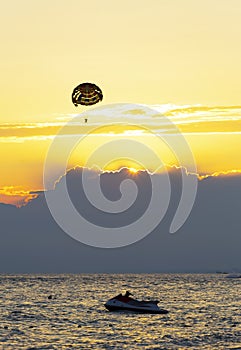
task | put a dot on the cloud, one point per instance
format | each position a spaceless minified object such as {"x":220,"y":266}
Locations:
{"x":210,"y":240}
{"x":197,"y":109}
{"x":16,"y":195}
{"x":190,"y":119}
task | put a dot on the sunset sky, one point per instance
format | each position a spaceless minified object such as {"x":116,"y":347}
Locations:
{"x":179,"y":57}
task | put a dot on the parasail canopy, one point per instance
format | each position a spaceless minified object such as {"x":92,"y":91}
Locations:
{"x":86,"y":94}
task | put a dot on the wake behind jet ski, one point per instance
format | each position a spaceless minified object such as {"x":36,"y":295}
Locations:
{"x":126,"y":303}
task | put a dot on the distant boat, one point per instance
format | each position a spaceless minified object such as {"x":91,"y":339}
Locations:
{"x":233,"y":275}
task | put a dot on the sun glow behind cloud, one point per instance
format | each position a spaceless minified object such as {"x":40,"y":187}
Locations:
{"x":213,"y":133}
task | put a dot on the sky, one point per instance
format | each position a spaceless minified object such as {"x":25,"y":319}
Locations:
{"x":181,"y":58}
{"x":158,"y":51}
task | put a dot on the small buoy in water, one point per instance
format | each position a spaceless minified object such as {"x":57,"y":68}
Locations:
{"x":50,"y":297}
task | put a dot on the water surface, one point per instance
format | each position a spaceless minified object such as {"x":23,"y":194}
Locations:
{"x":204,"y":312}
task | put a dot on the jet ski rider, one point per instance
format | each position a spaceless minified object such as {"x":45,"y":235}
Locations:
{"x":125,"y":298}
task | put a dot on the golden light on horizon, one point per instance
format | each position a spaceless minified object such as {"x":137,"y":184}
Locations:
{"x":133,"y":170}
{"x":213,"y":134}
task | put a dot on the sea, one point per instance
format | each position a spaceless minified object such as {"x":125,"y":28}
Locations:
{"x":67,"y":312}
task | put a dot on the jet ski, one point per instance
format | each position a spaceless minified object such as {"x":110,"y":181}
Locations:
{"x":126,"y":303}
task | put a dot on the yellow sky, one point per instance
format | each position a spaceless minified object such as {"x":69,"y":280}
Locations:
{"x":156,"y":52}
{"x":213,"y":135}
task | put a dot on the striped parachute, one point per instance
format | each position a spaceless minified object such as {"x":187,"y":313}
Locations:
{"x":86,"y":94}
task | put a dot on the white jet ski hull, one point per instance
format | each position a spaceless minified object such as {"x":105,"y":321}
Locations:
{"x":140,"y":307}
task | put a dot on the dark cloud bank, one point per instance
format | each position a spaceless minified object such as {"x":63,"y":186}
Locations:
{"x":210,"y":239}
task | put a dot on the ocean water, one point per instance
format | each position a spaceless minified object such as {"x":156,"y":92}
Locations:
{"x":204,"y":312}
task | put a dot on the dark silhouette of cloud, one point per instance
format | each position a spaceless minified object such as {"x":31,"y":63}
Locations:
{"x":210,"y":239}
